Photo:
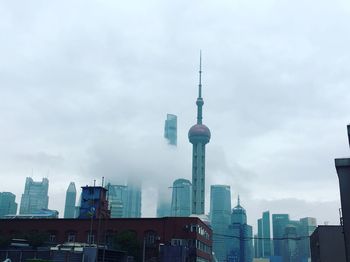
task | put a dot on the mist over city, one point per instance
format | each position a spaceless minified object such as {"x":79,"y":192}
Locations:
{"x":86,"y":87}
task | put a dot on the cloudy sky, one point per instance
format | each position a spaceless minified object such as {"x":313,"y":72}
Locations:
{"x":85,"y":87}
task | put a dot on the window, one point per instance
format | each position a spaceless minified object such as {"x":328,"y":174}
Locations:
{"x":52,"y":237}
{"x":91,"y":238}
{"x":71,"y":237}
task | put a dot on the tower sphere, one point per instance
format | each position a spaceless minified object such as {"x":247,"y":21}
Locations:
{"x":199,"y":133}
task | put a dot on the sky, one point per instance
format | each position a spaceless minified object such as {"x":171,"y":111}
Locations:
{"x":85,"y":87}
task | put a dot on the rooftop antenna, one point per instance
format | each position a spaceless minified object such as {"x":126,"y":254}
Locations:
{"x":103,"y":180}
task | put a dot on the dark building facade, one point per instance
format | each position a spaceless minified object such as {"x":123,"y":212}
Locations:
{"x":94,"y":203}
{"x":151,"y":234}
{"x":327,"y":244}
{"x":343,"y":169}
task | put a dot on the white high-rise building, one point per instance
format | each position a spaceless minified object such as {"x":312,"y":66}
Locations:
{"x":69,"y":207}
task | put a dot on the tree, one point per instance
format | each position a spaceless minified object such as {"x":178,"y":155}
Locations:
{"x":127,"y":241}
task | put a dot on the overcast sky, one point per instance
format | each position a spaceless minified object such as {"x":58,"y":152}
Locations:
{"x":85,"y":87}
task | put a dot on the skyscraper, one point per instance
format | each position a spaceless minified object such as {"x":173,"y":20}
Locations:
{"x":35,"y":196}
{"x":220,"y":217}
{"x":8,"y":206}
{"x":69,"y":207}
{"x":134,"y":199}
{"x":279,"y":224}
{"x":118,"y":200}
{"x":181,"y":198}
{"x":264,"y":233}
{"x":307,"y":226}
{"x":199,"y":136}
{"x":170,"y":129}
{"x":241,"y":248}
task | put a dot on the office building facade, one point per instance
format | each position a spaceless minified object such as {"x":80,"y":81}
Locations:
{"x":220,"y":217}
{"x":264,"y":248}
{"x":181,"y":198}
{"x":279,"y":224}
{"x":134,"y":199}
{"x":170,"y":129}
{"x":241,"y":243}
{"x":8,"y":205}
{"x":118,"y":200}
{"x":35,"y":196}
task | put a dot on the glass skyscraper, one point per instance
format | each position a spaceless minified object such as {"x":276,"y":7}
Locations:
{"x":220,"y":217}
{"x":279,"y":224}
{"x":69,"y":207}
{"x":134,"y":199}
{"x":118,"y":200}
{"x":8,"y":206}
{"x":241,"y":244}
{"x":264,"y":248}
{"x":170,"y":129}
{"x":35,"y":196}
{"x":181,"y":198}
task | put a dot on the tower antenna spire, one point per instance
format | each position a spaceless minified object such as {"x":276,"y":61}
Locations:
{"x":238,"y":201}
{"x":200,"y":75}
{"x":200,"y":101}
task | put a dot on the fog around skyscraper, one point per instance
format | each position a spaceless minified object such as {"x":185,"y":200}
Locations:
{"x":85,"y":97}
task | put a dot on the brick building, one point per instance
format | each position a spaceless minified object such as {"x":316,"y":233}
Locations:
{"x":151,"y":234}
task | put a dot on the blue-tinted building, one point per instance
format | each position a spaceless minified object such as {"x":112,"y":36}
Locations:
{"x":220,"y":217}
{"x":69,"y":207}
{"x":134,"y":199}
{"x":264,"y":247}
{"x":94,"y":203}
{"x":170,"y":129}
{"x":279,"y":223}
{"x":8,"y":205}
{"x":241,"y":244}
{"x":291,"y":238}
{"x":35,"y":196}
{"x":118,"y":200}
{"x":181,"y":198}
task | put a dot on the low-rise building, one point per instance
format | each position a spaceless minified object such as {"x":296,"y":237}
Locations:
{"x":146,"y":235}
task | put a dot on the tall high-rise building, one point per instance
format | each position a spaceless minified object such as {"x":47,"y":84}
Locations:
{"x":199,"y":136}
{"x":134,"y":199}
{"x":170,"y":129}
{"x":290,"y":247}
{"x":164,"y":203}
{"x":220,"y":217}
{"x":69,"y":207}
{"x":181,"y":198}
{"x":35,"y":196}
{"x":307,"y":226}
{"x":118,"y":200}
{"x":279,"y":224}
{"x":8,"y":206}
{"x":241,"y":248}
{"x":264,"y":235}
